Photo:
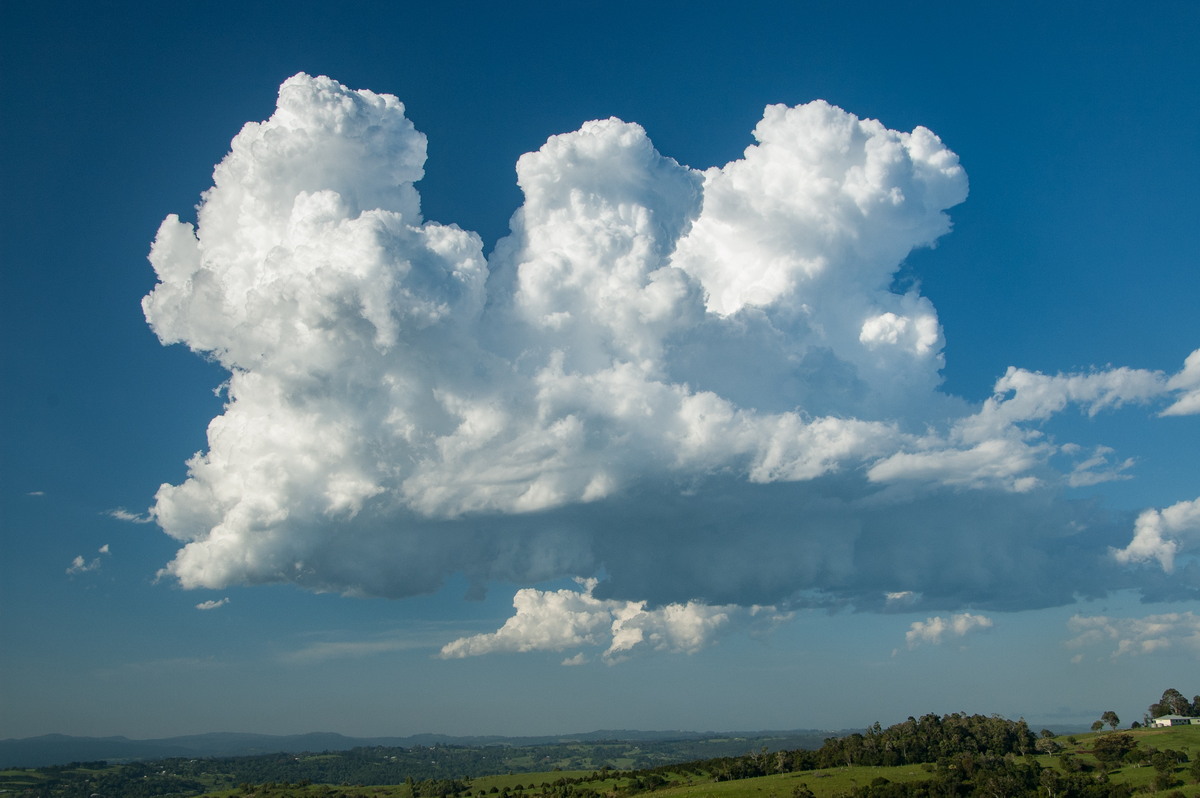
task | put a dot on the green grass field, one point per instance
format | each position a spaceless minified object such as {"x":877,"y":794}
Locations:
{"x":826,"y":782}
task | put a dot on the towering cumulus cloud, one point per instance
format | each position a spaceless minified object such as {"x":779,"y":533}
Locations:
{"x":699,"y":384}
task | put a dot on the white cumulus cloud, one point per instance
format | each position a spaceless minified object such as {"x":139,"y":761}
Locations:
{"x":699,"y":383}
{"x":212,"y":604}
{"x":934,"y":630}
{"x":1162,"y":534}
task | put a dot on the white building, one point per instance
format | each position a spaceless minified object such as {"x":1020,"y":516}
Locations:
{"x":1174,"y":720}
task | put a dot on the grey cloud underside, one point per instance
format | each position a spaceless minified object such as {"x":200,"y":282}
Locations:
{"x":819,"y":543}
{"x":696,"y":383}
{"x":827,"y":542}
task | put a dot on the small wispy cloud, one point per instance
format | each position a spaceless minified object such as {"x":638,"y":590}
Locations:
{"x":121,"y":514}
{"x":934,"y":630}
{"x":1097,"y":469}
{"x":901,"y":598}
{"x":81,"y":565}
{"x":212,"y":605}
{"x":36,"y":493}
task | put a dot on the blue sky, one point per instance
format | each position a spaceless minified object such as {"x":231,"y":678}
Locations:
{"x":738,"y":391}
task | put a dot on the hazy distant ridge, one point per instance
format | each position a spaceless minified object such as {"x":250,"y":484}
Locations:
{"x":58,"y":749}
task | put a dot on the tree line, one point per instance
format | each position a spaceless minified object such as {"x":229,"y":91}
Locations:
{"x":913,"y":741}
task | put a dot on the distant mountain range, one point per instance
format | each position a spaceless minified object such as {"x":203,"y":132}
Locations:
{"x":60,"y":749}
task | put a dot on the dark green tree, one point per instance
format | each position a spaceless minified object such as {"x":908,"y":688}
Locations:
{"x":1069,"y":763}
{"x":1111,"y":719}
{"x":1163,"y":780}
{"x":1171,"y":703}
{"x":1047,"y":745}
{"x":1112,"y":748}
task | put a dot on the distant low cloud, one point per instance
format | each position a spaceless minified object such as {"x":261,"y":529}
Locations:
{"x":1177,"y":632}
{"x":213,"y":604}
{"x":935,"y":630}
{"x":563,"y":619}
{"x":699,"y":384}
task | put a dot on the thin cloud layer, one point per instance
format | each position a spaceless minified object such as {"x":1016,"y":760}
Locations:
{"x":352,"y":649}
{"x":698,"y":383}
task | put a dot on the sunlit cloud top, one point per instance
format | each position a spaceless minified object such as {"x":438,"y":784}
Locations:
{"x":701,"y":385}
